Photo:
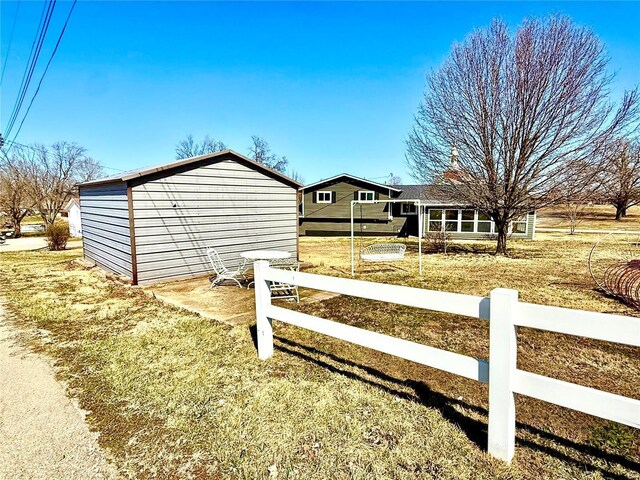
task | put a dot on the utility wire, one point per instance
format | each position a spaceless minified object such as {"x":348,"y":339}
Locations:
{"x":6,"y":55}
{"x":36,"y":48}
{"x":46,"y":69}
{"x":29,"y":61}
{"x":32,"y":65}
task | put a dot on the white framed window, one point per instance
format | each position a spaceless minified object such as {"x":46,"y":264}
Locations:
{"x":366,"y":195}
{"x":452,"y":220}
{"x":459,"y":221}
{"x":435,"y":220}
{"x":324,"y":196}
{"x":519,"y":225}
{"x":408,"y":209}
{"x":467,"y":221}
{"x":485,"y":224}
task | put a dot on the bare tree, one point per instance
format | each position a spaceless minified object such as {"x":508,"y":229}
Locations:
{"x":295,"y":175}
{"x":393,"y":180}
{"x":522,"y":111}
{"x":622,"y":177}
{"x":438,"y":241}
{"x":14,"y":197}
{"x":573,"y":212}
{"x":53,"y":174}
{"x":261,"y":153}
{"x":579,"y":187}
{"x":188,"y":147}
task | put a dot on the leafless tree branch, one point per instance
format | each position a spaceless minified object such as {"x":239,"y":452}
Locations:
{"x":523,"y":112}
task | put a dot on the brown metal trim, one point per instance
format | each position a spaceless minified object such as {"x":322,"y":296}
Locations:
{"x":132,"y":237}
{"x":298,"y":203}
{"x":84,"y":255}
{"x":190,"y":163}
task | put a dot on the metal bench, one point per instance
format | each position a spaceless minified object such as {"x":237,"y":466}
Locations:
{"x":383,"y":252}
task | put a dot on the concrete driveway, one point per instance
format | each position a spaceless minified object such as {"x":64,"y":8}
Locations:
{"x":43,"y":432}
{"x":32,"y":243}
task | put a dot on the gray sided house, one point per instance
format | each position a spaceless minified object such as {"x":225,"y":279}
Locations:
{"x":325,"y":211}
{"x":154,"y":224}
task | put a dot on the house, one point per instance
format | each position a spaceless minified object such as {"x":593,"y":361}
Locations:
{"x":154,"y":224}
{"x":72,"y":211}
{"x":325,"y":210}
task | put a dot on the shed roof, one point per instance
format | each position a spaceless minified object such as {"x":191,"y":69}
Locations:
{"x":143,"y":172}
{"x":433,"y":194}
{"x":353,"y":177}
{"x":72,"y":200}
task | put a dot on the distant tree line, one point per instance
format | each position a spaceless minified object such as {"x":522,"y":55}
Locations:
{"x":259,"y":151}
{"x":40,"y":179}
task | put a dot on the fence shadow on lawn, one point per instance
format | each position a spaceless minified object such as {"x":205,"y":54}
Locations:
{"x":475,"y":430}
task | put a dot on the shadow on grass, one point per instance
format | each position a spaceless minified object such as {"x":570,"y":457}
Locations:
{"x":475,"y":430}
{"x":362,"y":270}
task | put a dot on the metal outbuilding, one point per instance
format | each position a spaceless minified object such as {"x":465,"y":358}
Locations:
{"x":154,"y":224}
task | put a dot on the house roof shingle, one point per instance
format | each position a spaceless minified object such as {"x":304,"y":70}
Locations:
{"x":395,"y":188}
{"x":434,"y":194}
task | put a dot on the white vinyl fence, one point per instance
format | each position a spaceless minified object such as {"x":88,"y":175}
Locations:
{"x":504,"y":312}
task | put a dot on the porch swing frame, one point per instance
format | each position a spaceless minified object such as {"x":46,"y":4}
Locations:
{"x":420,"y":212}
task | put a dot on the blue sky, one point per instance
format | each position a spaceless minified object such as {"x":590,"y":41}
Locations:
{"x":333,"y":86}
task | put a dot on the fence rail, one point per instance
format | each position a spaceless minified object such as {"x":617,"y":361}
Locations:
{"x":504,"y":312}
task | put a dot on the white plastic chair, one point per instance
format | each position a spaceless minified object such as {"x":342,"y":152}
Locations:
{"x":222,"y":272}
{"x":280,"y":289}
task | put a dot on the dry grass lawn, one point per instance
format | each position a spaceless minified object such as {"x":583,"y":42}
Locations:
{"x":175,"y":395}
{"x":594,"y":217}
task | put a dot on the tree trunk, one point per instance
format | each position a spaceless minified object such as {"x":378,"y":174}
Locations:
{"x":17,"y":229}
{"x":620,"y":212}
{"x":502,"y":230}
{"x":48,"y":217}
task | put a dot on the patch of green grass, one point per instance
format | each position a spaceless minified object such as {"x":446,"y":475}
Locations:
{"x":32,"y":220}
{"x":613,"y":436}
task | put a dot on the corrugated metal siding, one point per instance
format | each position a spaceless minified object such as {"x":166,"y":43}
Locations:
{"x":105,"y":224}
{"x":226,"y":205}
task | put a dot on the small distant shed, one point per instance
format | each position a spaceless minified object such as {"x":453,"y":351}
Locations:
{"x":72,"y":212}
{"x":154,"y":224}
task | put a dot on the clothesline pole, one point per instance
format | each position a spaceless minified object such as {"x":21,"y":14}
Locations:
{"x":352,"y":262}
{"x":420,"y":213}
{"x":420,"y":236}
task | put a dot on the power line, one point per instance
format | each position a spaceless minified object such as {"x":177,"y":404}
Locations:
{"x":34,"y":56}
{"x":6,"y":56}
{"x":29,"y":61}
{"x":46,"y":69}
{"x":36,"y":47}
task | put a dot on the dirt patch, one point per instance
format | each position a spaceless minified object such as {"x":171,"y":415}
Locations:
{"x":226,"y":303}
{"x":33,"y":243}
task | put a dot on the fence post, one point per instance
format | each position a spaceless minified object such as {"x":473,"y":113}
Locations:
{"x":502,"y":366}
{"x":264,"y":330}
